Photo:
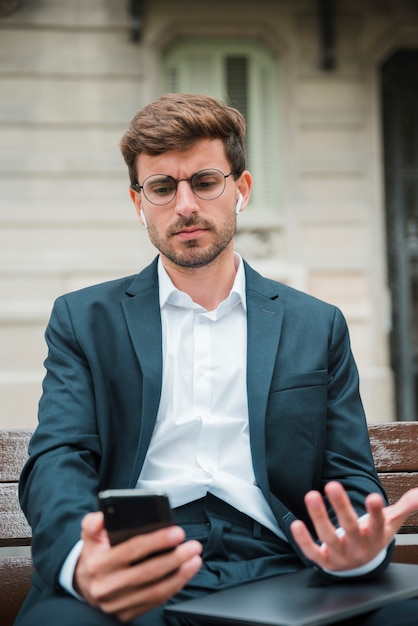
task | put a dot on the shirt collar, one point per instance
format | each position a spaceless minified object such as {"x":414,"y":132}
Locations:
{"x":169,"y":294}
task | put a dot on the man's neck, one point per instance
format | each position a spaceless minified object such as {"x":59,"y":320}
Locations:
{"x":208,"y":285}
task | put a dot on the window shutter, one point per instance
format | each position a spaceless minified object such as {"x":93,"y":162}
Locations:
{"x":244,"y":75}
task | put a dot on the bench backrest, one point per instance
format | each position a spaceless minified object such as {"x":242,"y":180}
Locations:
{"x":15,"y":571}
{"x":395,"y":450}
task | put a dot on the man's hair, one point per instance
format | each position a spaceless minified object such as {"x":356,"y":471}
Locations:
{"x":176,"y":122}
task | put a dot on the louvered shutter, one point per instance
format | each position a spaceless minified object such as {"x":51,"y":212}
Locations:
{"x":245,"y":76}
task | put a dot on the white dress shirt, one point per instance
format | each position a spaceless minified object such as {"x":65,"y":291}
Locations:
{"x":201,"y":442}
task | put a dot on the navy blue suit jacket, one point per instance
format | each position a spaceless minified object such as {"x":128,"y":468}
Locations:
{"x":102,"y":389}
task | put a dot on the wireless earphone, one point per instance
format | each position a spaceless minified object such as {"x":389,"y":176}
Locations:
{"x":239,"y":204}
{"x":144,"y":218}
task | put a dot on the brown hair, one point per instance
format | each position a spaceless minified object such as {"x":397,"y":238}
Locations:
{"x":176,"y":122}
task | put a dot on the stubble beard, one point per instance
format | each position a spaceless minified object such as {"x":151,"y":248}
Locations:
{"x":191,"y":253}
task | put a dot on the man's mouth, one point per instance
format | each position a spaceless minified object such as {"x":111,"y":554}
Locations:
{"x":189,"y":230}
{"x":190,"y":233}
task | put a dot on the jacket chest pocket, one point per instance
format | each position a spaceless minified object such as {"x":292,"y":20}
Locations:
{"x":297,"y":411}
{"x":296,"y":423}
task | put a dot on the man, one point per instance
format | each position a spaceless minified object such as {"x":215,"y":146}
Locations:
{"x":234,"y":394}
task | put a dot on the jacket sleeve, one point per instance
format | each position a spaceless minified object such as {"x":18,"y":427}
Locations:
{"x":59,"y":482}
{"x":348,"y":457}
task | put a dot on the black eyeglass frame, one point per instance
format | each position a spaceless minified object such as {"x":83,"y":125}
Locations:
{"x":137,"y":187}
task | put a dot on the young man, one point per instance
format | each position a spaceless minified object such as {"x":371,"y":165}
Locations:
{"x":234,"y":394}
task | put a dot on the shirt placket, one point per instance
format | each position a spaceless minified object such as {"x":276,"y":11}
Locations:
{"x":202,"y":392}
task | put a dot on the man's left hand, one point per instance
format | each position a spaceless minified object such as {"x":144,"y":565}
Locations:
{"x":362,"y":539}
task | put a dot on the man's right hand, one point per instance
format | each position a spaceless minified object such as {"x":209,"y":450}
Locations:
{"x":105,"y":577}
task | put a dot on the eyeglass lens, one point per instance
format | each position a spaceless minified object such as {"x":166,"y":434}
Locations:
{"x":206,"y":185}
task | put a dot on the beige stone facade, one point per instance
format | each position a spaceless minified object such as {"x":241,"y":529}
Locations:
{"x":71,"y":79}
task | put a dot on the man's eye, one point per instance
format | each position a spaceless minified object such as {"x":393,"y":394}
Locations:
{"x":162,"y":189}
{"x":204,"y":183}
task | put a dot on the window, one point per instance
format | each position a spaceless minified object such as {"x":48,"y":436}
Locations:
{"x":245,"y":76}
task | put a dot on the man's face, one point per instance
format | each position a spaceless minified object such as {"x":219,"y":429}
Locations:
{"x":189,"y":231}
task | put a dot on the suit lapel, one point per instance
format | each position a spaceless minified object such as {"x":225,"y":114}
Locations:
{"x":143,"y":319}
{"x":264,"y":322}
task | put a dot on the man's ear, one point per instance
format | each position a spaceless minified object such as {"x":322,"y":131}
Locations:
{"x":136,"y":199}
{"x":244,"y":186}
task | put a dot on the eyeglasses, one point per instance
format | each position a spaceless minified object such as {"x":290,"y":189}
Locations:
{"x":161,"y":189}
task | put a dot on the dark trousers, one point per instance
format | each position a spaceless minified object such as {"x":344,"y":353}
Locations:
{"x":235,"y":549}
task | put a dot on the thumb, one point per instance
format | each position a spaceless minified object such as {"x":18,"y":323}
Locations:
{"x":408,"y":502}
{"x":92,"y":528}
{"x":404,"y":507}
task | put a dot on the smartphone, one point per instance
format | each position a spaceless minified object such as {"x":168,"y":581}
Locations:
{"x":130,"y":512}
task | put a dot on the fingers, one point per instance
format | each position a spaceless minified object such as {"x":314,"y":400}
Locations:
{"x":107,"y":579}
{"x":315,"y":553}
{"x":408,"y":502}
{"x":398,"y":513}
{"x":149,"y":598}
{"x":143,"y":546}
{"x":150,"y":583}
{"x":143,"y":574}
{"x":325,"y":529}
{"x":318,"y":513}
{"x":355,"y":542}
{"x":373,"y":524}
{"x":346,"y":515}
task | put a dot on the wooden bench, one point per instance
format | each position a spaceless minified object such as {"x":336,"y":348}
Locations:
{"x":395,"y":453}
{"x":15,"y":571}
{"x":395,"y":450}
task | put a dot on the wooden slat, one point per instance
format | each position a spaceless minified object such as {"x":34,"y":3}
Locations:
{"x":14,"y":529}
{"x":13,"y":453}
{"x":395,"y":451}
{"x":405,"y":554}
{"x":395,"y":446}
{"x":15,"y":577}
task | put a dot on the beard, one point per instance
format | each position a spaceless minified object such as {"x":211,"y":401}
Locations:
{"x":192,"y":253}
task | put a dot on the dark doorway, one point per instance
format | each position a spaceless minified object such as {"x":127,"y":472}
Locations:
{"x":399,"y":81}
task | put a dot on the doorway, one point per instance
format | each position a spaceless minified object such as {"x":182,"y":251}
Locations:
{"x":399,"y":97}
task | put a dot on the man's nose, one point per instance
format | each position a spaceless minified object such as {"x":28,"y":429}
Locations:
{"x":186,"y":201}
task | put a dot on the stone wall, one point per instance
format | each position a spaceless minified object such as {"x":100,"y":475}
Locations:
{"x":71,"y":79}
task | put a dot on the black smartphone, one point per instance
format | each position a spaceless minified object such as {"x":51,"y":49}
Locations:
{"x":130,"y":512}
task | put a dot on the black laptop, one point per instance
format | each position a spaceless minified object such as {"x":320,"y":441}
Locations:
{"x":302,"y":598}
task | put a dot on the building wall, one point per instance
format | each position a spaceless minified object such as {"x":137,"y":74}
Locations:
{"x":70,"y":80}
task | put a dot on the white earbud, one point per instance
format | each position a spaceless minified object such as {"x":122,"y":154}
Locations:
{"x":239,"y":204}
{"x":144,"y":218}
